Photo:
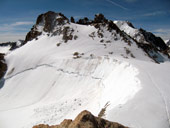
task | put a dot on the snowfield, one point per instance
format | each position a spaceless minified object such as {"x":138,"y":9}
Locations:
{"x":46,"y":83}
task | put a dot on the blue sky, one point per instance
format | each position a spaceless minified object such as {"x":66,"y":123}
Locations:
{"x":18,"y":16}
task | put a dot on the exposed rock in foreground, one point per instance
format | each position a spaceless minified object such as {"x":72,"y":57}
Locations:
{"x":84,"y":120}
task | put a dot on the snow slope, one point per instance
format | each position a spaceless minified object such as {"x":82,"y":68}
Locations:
{"x":46,"y":82}
{"x":4,"y":49}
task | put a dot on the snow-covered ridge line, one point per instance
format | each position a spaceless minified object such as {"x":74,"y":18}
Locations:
{"x":141,"y":35}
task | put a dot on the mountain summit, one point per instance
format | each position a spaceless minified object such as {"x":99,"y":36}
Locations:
{"x":54,"y":24}
{"x":47,"y":22}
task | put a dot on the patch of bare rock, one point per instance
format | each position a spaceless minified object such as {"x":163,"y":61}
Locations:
{"x":84,"y":120}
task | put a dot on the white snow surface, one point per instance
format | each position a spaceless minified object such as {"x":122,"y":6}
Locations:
{"x":45,"y":84}
{"x":4,"y":49}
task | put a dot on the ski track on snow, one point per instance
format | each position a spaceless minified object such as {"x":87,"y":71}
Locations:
{"x":161,"y":95}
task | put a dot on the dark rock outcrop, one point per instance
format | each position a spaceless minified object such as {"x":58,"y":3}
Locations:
{"x":130,"y":24}
{"x":46,"y":22}
{"x":152,"y":39}
{"x":3,"y":65}
{"x":99,"y":18}
{"x":72,"y":20}
{"x":32,"y":35}
{"x":84,"y":21}
{"x":84,"y":120}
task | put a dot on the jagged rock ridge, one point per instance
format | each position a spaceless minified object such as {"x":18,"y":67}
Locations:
{"x":52,"y":23}
{"x":84,"y":120}
{"x":151,"y":44}
{"x":141,"y":36}
{"x":152,"y":39}
{"x":47,"y":23}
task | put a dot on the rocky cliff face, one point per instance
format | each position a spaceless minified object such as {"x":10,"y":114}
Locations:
{"x":84,"y":120}
{"x":3,"y":66}
{"x":157,"y":42}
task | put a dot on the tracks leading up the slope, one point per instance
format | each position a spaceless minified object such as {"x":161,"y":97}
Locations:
{"x":74,"y":74}
{"x":162,"y":96}
{"x":160,"y":93}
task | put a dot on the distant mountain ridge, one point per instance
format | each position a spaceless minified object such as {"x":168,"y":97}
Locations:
{"x":53,"y":24}
{"x":141,"y":35}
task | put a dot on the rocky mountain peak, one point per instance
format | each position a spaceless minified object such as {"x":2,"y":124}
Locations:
{"x":50,"y":19}
{"x":51,"y":22}
{"x":46,"y":22}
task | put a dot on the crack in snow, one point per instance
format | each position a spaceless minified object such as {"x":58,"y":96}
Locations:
{"x":59,"y":70}
{"x":32,"y":68}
